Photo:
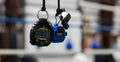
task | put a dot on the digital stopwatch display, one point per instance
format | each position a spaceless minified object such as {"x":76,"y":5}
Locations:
{"x":60,"y":34}
{"x":42,"y":35}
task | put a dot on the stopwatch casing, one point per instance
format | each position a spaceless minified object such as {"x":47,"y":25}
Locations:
{"x":41,"y":33}
{"x":59,"y":34}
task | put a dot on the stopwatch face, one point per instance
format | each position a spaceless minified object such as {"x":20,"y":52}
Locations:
{"x":42,"y":36}
{"x":60,"y":32}
{"x":41,"y":33}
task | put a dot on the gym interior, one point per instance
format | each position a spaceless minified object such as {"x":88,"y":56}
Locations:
{"x":90,"y":31}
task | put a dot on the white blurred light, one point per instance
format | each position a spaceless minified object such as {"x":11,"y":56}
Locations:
{"x":80,"y":57}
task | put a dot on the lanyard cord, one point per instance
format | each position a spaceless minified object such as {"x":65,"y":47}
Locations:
{"x":43,"y":8}
{"x":58,"y":5}
{"x":58,"y":9}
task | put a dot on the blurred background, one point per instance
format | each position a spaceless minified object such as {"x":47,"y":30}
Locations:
{"x":93,"y":35}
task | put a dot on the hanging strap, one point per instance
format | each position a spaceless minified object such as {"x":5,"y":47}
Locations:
{"x":44,"y":7}
{"x":58,"y":5}
{"x":58,"y":9}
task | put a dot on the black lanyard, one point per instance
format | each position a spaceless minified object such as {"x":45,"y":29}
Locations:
{"x":58,"y":11}
{"x":43,"y":8}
